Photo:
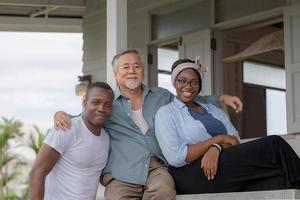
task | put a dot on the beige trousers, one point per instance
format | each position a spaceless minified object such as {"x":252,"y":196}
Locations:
{"x":159,"y":185}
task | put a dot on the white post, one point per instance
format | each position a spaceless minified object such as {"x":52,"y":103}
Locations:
{"x":116,"y":29}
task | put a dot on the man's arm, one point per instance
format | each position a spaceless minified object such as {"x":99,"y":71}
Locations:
{"x":232,"y":101}
{"x":44,"y":163}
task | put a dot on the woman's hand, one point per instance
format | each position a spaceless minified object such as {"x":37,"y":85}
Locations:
{"x":232,"y":101}
{"x":209,"y":162}
{"x":62,"y":121}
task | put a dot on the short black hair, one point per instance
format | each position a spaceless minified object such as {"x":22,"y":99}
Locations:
{"x":99,"y":84}
{"x":186,"y":60}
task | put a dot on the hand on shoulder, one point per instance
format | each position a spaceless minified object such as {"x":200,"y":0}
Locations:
{"x":232,"y":101}
{"x":62,"y":121}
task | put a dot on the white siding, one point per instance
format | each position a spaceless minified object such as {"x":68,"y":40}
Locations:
{"x":139,"y":34}
{"x":94,"y":46}
{"x":232,"y":9}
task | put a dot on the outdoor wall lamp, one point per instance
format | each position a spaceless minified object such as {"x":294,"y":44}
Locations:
{"x":80,"y":88}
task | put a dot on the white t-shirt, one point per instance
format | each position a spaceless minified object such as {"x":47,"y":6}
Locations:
{"x":139,"y":120}
{"x":83,"y":156}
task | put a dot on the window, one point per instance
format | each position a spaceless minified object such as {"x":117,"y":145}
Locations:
{"x":276,"y":112}
{"x":166,"y":57}
{"x":264,"y":75}
{"x":272,"y":79}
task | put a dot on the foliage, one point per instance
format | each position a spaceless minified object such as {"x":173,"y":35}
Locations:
{"x":10,"y":196}
{"x":35,"y":143}
{"x":10,"y":133}
{"x":9,"y":130}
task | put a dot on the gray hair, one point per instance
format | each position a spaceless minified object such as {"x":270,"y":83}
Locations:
{"x":115,"y":63}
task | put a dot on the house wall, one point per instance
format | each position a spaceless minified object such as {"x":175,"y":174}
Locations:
{"x":94,"y":37}
{"x":182,"y":19}
{"x":159,"y":19}
{"x":139,"y":33}
{"x":94,"y":28}
{"x":232,"y":9}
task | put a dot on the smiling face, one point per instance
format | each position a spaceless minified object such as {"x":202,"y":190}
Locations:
{"x":187,"y":85}
{"x":130,"y":71}
{"x":98,"y":107}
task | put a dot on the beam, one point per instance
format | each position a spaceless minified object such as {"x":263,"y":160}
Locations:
{"x":44,"y":3}
{"x":26,"y":24}
{"x":46,"y":11}
{"x":116,"y":34}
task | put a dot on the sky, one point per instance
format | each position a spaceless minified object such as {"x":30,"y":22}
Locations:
{"x":38,"y":74}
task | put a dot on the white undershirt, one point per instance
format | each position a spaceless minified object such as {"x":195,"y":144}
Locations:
{"x":139,"y":120}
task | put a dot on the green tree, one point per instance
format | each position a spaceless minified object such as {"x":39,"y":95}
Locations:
{"x":9,"y":130}
{"x":36,"y":139}
{"x":35,"y":142}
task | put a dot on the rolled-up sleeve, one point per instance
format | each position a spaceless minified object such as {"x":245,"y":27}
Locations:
{"x":173,"y":148}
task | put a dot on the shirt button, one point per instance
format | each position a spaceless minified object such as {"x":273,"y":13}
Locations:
{"x":136,"y":127}
{"x":128,"y":114}
{"x":146,"y":165}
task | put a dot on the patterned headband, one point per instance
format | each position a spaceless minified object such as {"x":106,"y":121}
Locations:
{"x":197,"y":66}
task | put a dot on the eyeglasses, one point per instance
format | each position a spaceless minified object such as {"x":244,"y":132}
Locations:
{"x":184,"y":82}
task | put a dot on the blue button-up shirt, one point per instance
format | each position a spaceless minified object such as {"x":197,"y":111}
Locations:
{"x":130,"y":150}
{"x":175,"y":128}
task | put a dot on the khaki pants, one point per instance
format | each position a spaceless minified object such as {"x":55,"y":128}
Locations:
{"x":159,"y":185}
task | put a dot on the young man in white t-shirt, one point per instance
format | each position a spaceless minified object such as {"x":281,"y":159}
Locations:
{"x":69,"y":165}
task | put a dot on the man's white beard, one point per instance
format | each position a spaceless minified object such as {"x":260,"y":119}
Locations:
{"x":133,"y":84}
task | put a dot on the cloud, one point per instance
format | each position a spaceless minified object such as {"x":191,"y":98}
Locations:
{"x":38,"y":74}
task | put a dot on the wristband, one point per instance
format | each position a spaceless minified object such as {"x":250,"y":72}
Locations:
{"x":218,"y":146}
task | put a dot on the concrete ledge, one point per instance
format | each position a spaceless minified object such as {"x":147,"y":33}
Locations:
{"x":272,"y":194}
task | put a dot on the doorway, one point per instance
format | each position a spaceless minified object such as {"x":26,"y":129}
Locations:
{"x":261,"y":91}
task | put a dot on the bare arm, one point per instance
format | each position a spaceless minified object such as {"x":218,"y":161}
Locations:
{"x":210,"y":158}
{"x":44,"y":163}
{"x":197,"y":150}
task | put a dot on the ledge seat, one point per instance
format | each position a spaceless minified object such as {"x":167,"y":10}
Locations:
{"x":271,"y":194}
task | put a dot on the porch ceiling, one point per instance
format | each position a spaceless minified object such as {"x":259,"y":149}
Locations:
{"x":40,"y":8}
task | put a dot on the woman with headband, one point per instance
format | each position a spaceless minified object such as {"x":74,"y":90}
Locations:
{"x":202,"y":146}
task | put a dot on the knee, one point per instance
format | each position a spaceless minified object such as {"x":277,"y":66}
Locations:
{"x":165,"y":191}
{"x":276,"y":139}
{"x":163,"y":188}
{"x":277,"y":142}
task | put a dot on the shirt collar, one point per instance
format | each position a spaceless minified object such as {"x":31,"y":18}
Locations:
{"x":118,"y":93}
{"x":197,"y":100}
